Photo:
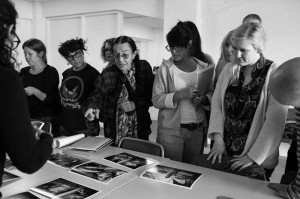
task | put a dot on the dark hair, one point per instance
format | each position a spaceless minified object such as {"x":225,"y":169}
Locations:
{"x":71,"y":46}
{"x":196,"y":49}
{"x":252,"y":17}
{"x":125,"y":39}
{"x":8,"y":15}
{"x":37,"y":46}
{"x":179,"y":35}
{"x":110,"y":41}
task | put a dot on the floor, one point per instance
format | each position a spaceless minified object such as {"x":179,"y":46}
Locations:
{"x":278,"y":172}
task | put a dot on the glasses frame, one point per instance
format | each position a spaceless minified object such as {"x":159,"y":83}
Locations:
{"x":169,"y":48}
{"x":16,"y":42}
{"x":76,"y":55}
{"x":118,"y":56}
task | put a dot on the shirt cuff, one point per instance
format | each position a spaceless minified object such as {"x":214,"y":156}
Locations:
{"x":169,"y":101}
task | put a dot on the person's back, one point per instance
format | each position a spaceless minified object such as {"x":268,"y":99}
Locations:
{"x":17,"y":138}
{"x":27,"y":150}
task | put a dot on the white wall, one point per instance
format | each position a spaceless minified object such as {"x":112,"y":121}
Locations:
{"x":280,"y":20}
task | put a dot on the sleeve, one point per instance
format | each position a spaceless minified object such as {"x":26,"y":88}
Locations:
{"x":17,"y":136}
{"x":144,"y":99}
{"x":271,"y":133}
{"x":216,"y":121}
{"x":162,"y":97}
{"x":51,"y":85}
{"x":95,"y":99}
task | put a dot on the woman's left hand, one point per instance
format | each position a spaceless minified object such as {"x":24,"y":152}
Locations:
{"x":127,"y":106}
{"x":241,"y":162}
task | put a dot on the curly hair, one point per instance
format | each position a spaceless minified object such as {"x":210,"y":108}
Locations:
{"x":72,"y":45}
{"x":110,"y":41}
{"x":8,"y":15}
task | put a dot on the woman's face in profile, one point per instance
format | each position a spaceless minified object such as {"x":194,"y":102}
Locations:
{"x":108,"y":51}
{"x":228,"y":55}
{"x":123,"y":56}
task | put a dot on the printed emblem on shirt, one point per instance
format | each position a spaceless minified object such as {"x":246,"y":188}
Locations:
{"x":71,"y":91}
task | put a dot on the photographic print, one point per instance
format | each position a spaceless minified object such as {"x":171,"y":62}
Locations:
{"x":66,"y":161}
{"x":172,"y":176}
{"x":23,"y":195}
{"x":62,"y":188}
{"x":128,"y":160}
{"x":98,"y":171}
{"x":8,"y":164}
{"x":7,"y":177}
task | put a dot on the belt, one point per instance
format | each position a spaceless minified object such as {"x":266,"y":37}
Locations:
{"x":191,"y":126}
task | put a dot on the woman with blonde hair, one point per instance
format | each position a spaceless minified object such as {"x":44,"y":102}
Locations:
{"x":226,"y":56}
{"x":246,"y":122}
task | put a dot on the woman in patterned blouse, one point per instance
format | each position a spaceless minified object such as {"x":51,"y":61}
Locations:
{"x":246,"y":122}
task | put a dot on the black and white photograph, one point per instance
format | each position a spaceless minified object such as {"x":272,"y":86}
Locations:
{"x":65,"y":160}
{"x":7,"y":177}
{"x":172,"y":176}
{"x":60,"y":188}
{"x":129,"y":160}
{"x":98,"y":171}
{"x":8,"y":164}
{"x":23,"y":195}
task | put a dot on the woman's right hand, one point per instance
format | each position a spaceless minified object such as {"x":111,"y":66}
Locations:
{"x":91,"y":114}
{"x":218,"y":148}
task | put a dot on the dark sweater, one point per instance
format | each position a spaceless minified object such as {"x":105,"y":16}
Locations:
{"x":47,"y":82}
{"x":17,"y":138}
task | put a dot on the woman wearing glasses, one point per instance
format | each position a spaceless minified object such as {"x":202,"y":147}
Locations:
{"x":180,"y":118}
{"x":107,"y":53}
{"x":123,"y":94}
{"x":40,"y":81}
{"x":17,"y":137}
{"x":77,"y":84}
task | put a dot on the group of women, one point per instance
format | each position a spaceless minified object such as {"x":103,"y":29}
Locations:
{"x":245,"y":122}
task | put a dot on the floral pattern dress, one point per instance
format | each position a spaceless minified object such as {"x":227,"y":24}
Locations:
{"x":240,"y":105}
{"x":126,"y":123}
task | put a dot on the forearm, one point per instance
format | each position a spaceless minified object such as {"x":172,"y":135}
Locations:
{"x":40,"y":95}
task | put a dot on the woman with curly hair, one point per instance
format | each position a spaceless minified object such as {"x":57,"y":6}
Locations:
{"x":27,"y":148}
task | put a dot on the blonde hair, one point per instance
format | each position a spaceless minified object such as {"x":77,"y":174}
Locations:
{"x":226,"y":43}
{"x":252,"y":32}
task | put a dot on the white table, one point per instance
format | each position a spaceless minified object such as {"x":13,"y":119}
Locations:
{"x":50,"y":171}
{"x":210,"y":185}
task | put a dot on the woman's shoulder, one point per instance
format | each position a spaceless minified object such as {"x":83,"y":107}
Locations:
{"x":8,"y":74}
{"x":209,"y":58}
{"x":52,"y":69}
{"x":92,"y":69}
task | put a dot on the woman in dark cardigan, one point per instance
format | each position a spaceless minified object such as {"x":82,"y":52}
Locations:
{"x":123,"y":94}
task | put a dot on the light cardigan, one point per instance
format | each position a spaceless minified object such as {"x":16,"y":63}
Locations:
{"x":168,"y":121}
{"x":266,"y":130}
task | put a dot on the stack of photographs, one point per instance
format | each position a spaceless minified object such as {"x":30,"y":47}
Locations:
{"x":172,"y":176}
{"x":65,"y":189}
{"x":98,"y":171}
{"x":129,"y":161}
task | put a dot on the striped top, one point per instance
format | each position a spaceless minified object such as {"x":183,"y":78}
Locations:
{"x":293,"y":191}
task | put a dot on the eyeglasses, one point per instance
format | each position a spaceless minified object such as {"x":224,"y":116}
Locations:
{"x":169,"y":48}
{"x":107,"y":49}
{"x":124,"y":56}
{"x":16,"y":43}
{"x":76,"y":54}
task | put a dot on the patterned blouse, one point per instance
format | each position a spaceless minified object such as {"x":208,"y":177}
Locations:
{"x":126,"y":123}
{"x":240,"y":105}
